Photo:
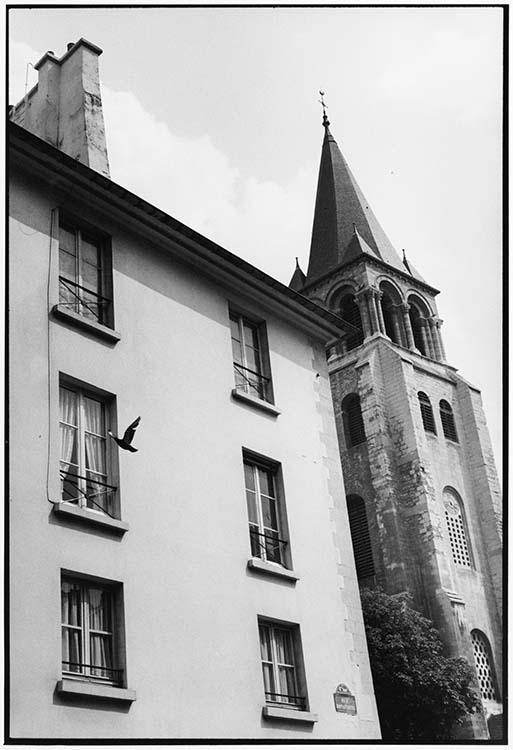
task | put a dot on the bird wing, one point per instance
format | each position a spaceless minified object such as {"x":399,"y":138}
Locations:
{"x":130,"y":431}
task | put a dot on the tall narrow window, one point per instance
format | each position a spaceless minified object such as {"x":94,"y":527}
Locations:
{"x":456,"y":528}
{"x":426,"y":411}
{"x":279,"y":651}
{"x":447,"y":419}
{"x":266,"y":538}
{"x":84,"y":276}
{"x":360,"y":537}
{"x":353,"y":421}
{"x":484,"y":668}
{"x":89,"y":647}
{"x":84,"y":459}
{"x":249,"y":358}
{"x":416,"y":325}
{"x":350,"y":312}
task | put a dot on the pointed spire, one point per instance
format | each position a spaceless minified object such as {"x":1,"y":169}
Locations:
{"x":341,"y":213}
{"x":298,"y":279}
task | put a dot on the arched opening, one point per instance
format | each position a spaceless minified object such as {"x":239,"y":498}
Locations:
{"x":447,"y":419}
{"x":457,"y":528}
{"x":484,"y":666}
{"x":426,"y":411}
{"x":353,"y":421}
{"x":360,"y":537}
{"x":350,"y":312}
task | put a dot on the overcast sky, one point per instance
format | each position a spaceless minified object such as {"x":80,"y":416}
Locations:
{"x":213,"y":115}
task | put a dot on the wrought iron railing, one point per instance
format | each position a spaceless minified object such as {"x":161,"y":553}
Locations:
{"x":251,"y":381}
{"x":291,"y":701}
{"x":97,"y":307}
{"x":80,"y":496}
{"x":267,"y":547}
{"x":96,"y":671}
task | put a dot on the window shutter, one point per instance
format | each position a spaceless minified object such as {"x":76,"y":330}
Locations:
{"x":447,"y":419}
{"x":360,"y":537}
{"x":426,"y":410}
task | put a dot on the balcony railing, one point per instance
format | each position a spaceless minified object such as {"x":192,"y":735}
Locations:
{"x":82,"y":490}
{"x":267,"y":546}
{"x":297,"y":702}
{"x":251,"y":382}
{"x":85,"y":302}
{"x":93,"y":671}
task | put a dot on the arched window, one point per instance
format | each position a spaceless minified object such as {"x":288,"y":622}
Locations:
{"x":353,"y":421}
{"x":447,"y":419}
{"x":484,"y":665}
{"x":350,"y":312}
{"x":390,"y":302}
{"x":426,"y":410}
{"x":360,"y":536}
{"x":416,"y":326}
{"x":457,"y":528}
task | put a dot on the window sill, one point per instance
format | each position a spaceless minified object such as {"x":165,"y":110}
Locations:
{"x":84,"y":516}
{"x":256,"y":402}
{"x":272,"y":569}
{"x":289,"y":714}
{"x":78,"y":321}
{"x":95,"y":690}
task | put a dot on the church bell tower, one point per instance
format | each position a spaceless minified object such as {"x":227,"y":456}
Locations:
{"x":421,"y":485}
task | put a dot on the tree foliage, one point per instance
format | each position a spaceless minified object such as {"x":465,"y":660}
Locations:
{"x":420,"y":693}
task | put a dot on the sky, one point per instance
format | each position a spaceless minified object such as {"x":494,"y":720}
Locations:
{"x":213,"y":115}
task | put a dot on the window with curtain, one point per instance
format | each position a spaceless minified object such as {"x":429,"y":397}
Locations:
{"x":457,"y":528}
{"x":266,"y":534}
{"x":84,"y":274}
{"x":484,"y":666}
{"x":447,"y":419}
{"x":360,"y":536}
{"x":250,"y":358}
{"x":84,"y":455}
{"x":353,"y":421}
{"x":89,"y":631}
{"x":279,"y":651}
{"x":426,"y":411}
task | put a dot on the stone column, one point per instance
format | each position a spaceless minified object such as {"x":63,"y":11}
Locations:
{"x":379,"y":296}
{"x":410,"y":341}
{"x":361,"y":301}
{"x":438,"y":324}
{"x":434,"y":338}
{"x":395,"y":324}
{"x":373,"y":309}
{"x":424,"y":335}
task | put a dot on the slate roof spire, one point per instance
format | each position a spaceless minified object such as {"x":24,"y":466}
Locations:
{"x":344,"y":224}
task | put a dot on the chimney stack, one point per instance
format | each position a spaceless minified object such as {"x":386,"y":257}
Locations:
{"x":65,"y":106}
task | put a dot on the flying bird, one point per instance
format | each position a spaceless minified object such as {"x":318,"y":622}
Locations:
{"x":125,"y":441}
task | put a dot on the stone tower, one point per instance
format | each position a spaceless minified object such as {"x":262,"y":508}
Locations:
{"x":422,"y":489}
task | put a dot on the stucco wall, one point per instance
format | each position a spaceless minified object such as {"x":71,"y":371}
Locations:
{"x":191,"y":606}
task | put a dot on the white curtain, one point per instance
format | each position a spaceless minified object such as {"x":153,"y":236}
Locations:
{"x":68,"y":414}
{"x":71,"y":637}
{"x":94,"y":445}
{"x":100,"y":643}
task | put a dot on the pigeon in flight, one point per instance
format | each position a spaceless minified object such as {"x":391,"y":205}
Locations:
{"x":127,"y":438}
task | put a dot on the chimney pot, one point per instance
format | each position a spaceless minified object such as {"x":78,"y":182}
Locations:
{"x":51,"y":52}
{"x":70,"y":45}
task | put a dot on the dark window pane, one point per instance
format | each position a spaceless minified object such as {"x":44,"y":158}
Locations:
{"x":67,"y":239}
{"x":90,"y":251}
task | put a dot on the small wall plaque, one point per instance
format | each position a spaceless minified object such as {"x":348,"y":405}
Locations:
{"x":345,"y":702}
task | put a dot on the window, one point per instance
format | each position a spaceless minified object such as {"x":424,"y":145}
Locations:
{"x":353,"y":421}
{"x":84,"y":451}
{"x":456,"y":527}
{"x":262,"y":499}
{"x":417,"y":322}
{"x":84,"y":274}
{"x":484,"y":668}
{"x":280,"y":655}
{"x":447,"y":419}
{"x":90,"y":648}
{"x":250,"y":361}
{"x":426,"y":410}
{"x":360,"y":536}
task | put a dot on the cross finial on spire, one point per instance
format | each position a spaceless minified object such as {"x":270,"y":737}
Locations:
{"x":325,"y":120}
